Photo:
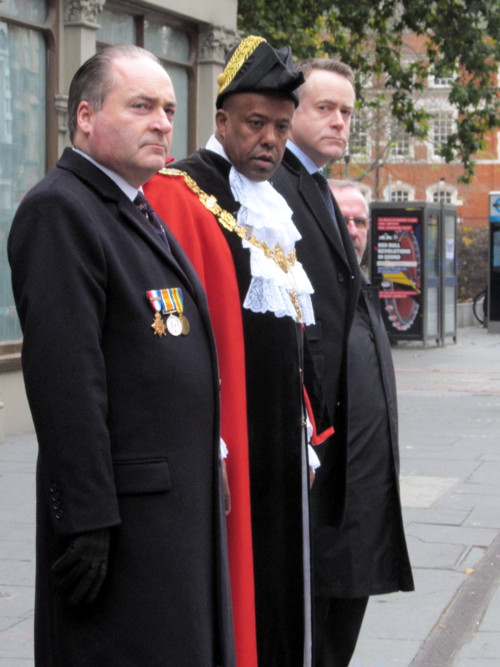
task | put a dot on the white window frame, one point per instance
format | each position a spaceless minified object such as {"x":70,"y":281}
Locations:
{"x":444,"y":188}
{"x":438,"y":114}
{"x":363,"y":118}
{"x":395,"y":139}
{"x":399,"y":187}
{"x":440,"y":81}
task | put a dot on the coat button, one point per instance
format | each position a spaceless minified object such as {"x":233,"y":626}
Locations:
{"x":340,"y":276}
{"x":59,"y":514}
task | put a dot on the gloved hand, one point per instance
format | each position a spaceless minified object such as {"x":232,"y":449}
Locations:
{"x":80,"y":572}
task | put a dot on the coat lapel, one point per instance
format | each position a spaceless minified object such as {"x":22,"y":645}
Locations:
{"x":174,"y":256}
{"x":127,"y":213}
{"x":309,"y":192}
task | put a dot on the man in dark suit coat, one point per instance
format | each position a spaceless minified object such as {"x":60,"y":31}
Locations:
{"x":121,"y":375}
{"x":319,"y":134}
{"x":259,"y":297}
{"x":368,"y":554}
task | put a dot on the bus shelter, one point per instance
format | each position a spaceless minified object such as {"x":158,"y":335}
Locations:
{"x":494,"y":264}
{"x":413,"y":259}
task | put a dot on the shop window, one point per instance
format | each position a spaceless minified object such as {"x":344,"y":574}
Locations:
{"x":23,"y":129}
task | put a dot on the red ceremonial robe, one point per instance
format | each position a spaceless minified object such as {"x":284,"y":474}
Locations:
{"x":203,"y":241}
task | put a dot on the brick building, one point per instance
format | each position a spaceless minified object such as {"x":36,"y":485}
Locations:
{"x":409,"y":169}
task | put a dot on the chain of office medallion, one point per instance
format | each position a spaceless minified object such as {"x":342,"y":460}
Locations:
{"x":229,"y":222}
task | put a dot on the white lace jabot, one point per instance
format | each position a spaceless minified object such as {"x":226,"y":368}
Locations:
{"x":280,"y":287}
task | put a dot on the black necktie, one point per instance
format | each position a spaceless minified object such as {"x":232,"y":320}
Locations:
{"x":324,"y":188}
{"x":146,"y":209}
{"x":322,"y":184}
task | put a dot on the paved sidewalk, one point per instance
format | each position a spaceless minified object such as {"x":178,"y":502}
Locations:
{"x":449,"y":402}
{"x":449,"y":406}
{"x":17,"y":550}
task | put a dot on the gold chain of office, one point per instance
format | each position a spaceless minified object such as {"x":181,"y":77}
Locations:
{"x":228,"y":221}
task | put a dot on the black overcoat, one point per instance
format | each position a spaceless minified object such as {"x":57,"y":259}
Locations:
{"x":127,"y":426}
{"x":368,"y":556}
{"x":273,"y":366}
{"x":331,"y":265}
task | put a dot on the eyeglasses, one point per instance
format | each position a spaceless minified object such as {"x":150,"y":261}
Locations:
{"x":362,"y":223}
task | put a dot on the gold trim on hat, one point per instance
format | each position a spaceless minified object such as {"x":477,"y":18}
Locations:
{"x":244,"y":50}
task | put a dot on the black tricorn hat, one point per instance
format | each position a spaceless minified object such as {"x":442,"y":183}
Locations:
{"x":255,"y":67}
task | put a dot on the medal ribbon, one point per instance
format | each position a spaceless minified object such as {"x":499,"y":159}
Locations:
{"x":154,"y":296}
{"x":173,"y":300}
{"x":168,"y":300}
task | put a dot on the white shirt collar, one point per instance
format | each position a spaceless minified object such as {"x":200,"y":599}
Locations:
{"x":129,"y":190}
{"x":300,"y":155}
{"x":214,"y":145}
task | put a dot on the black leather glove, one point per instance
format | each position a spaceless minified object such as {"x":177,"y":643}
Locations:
{"x":80,"y":572}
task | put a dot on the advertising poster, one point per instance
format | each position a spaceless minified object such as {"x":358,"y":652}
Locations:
{"x":397,"y":244}
{"x":494,"y":261}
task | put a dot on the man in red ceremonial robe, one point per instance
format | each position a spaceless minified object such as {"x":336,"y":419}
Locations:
{"x":238,"y":233}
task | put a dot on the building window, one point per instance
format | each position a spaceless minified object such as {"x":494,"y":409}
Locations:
{"x":23,"y":128}
{"x":442,"y":193}
{"x":441,"y":196}
{"x":358,"y":141}
{"x":174,"y":45}
{"x":399,"y":147}
{"x":441,"y":81}
{"x":442,"y":127}
{"x":399,"y":195}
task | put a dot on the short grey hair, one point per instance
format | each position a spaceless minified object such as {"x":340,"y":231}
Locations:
{"x":345,"y":184}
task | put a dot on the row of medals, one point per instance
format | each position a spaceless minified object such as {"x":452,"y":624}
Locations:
{"x":174,"y":324}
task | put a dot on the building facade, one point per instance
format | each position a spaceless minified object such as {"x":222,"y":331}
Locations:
{"x":392,"y":166}
{"x":42,"y":44}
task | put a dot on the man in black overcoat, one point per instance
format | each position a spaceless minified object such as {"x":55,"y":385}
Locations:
{"x":368,"y":554}
{"x":232,"y":207}
{"x":319,"y":134}
{"x":122,"y":380}
{"x":343,"y":577}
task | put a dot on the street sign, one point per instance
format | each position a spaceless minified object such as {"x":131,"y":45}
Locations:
{"x":494,"y":206}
